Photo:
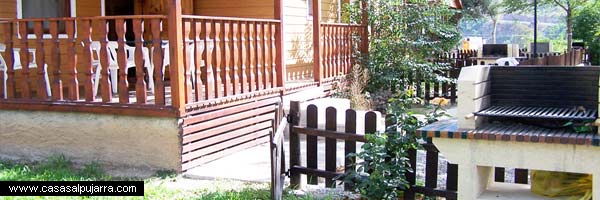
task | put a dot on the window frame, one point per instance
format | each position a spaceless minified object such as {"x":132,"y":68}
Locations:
{"x":72,"y":13}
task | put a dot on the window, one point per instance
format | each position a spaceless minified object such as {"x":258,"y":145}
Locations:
{"x":309,"y":6}
{"x":45,"y":9}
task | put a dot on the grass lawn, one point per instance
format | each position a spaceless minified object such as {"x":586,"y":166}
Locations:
{"x":164,"y":185}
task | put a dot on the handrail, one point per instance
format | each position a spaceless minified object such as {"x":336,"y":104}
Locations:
{"x":85,"y":18}
{"x":230,"y":18}
{"x":342,"y":24}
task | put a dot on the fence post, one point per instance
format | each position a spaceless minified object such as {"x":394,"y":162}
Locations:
{"x":294,"y":119}
{"x":365,"y":33}
{"x":176,"y":55}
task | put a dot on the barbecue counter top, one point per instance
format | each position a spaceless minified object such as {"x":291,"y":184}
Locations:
{"x":508,"y":132}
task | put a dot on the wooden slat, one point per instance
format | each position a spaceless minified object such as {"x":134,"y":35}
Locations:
{"x":190,"y":150}
{"x":72,"y":83}
{"x":86,"y":37}
{"x":258,"y":39}
{"x":328,"y":134}
{"x":452,"y":177}
{"x":266,"y":42}
{"x":521,"y":176}
{"x":40,"y":61}
{"x":205,"y":159}
{"x":207,"y":55}
{"x":314,"y":172}
{"x":122,"y":82}
{"x":226,"y":119}
{"x":226,"y":61}
{"x":187,"y":26}
{"x":24,"y":55}
{"x":218,"y":57}
{"x":197,"y":57}
{"x":312,"y":142}
{"x":105,"y":86}
{"x":55,"y":63}
{"x":251,"y":56}
{"x":229,"y":110}
{"x":224,"y":145}
{"x":411,"y":176}
{"x":235,"y":48}
{"x":140,"y":83}
{"x":157,"y":56}
{"x":330,"y":144}
{"x":243,"y":57}
{"x":237,"y":126}
{"x":89,"y":107}
{"x":274,"y":57}
{"x":431,"y":167}
{"x":349,"y":146}
{"x":10,"y":60}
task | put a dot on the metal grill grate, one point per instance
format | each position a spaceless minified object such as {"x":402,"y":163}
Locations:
{"x":540,"y":112}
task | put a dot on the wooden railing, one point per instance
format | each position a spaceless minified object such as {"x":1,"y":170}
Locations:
{"x":226,"y":57}
{"x":425,"y":180}
{"x":573,"y":57}
{"x":76,"y":63}
{"x":339,"y":46}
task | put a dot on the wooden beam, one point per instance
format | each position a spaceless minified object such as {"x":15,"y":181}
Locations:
{"x":280,"y":53}
{"x":317,"y":70}
{"x":176,"y":55}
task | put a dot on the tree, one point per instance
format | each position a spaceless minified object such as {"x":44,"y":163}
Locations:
{"x":586,"y":27}
{"x":520,"y":6}
{"x":473,"y":9}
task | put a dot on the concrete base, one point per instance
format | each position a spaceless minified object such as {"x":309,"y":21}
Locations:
{"x":475,"y":159}
{"x":508,"y":191}
{"x":127,"y":142}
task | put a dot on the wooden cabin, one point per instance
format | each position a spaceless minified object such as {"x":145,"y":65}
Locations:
{"x":161,"y":84}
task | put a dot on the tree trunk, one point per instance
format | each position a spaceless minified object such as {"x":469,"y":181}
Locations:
{"x":495,"y":23}
{"x":569,"y":29}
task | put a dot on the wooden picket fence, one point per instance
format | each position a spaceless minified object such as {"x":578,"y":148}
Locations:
{"x":573,"y":57}
{"x":428,"y":90}
{"x":350,"y":137}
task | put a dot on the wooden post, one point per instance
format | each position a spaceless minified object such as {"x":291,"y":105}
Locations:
{"x":294,"y":120}
{"x":317,"y":70}
{"x":176,"y":55}
{"x":279,"y":52}
{"x":365,"y":33}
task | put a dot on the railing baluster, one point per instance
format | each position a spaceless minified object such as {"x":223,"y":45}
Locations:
{"x":197,"y":56}
{"x":207,"y":75}
{"x":251,"y":56}
{"x":226,"y":61}
{"x":244,"y":56}
{"x":324,"y":53}
{"x":9,"y":58}
{"x":259,"y":56}
{"x":187,"y":25}
{"x":40,"y":61}
{"x":274,"y":50}
{"x":105,"y":87}
{"x":123,"y":83}
{"x":140,"y":62}
{"x":158,"y":55}
{"x":266,"y":55}
{"x":85,"y":35}
{"x":72,"y":82}
{"x":235,"y":38}
{"x":218,"y":57}
{"x":24,"y":55}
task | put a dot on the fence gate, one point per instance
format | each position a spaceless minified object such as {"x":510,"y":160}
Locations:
{"x":278,"y":160}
